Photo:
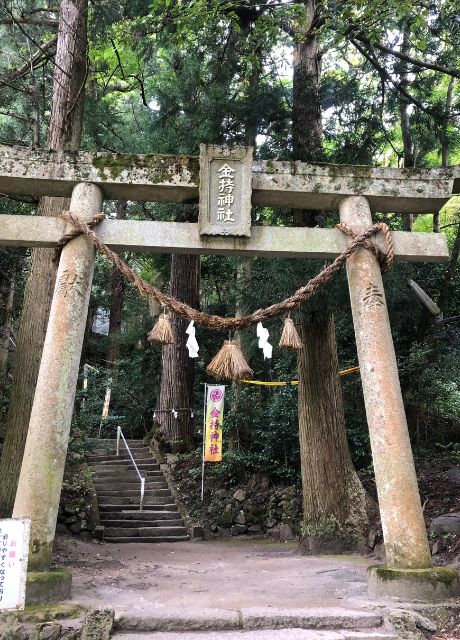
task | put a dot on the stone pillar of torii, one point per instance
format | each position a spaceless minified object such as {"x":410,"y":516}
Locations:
{"x":230,"y":182}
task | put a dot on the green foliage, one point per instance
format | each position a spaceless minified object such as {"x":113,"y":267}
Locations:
{"x":259,"y":435}
{"x":452,"y":449}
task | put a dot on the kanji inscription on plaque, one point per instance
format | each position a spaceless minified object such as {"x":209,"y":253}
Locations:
{"x":225,"y":190}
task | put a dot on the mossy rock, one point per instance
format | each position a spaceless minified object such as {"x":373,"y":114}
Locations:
{"x":405,"y":623}
{"x":10,"y":629}
{"x":48,"y":586}
{"x":36,"y":613}
{"x":225,"y":519}
{"x":98,"y":625}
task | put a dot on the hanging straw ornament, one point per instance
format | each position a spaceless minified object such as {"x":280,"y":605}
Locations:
{"x":229,"y":363}
{"x":162,"y":332}
{"x":290,"y":338}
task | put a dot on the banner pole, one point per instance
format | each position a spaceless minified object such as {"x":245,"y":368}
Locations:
{"x":204,"y":435}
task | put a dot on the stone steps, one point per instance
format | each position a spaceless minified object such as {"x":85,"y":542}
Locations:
{"x":140,"y":455}
{"x":125,"y":470}
{"x":145,"y":531}
{"x":119,"y":460}
{"x":126,"y":516}
{"x":128,"y":476}
{"x":126,"y":524}
{"x":279,"y":634}
{"x":255,"y":623}
{"x":135,"y":492}
{"x":134,"y":508}
{"x":121,"y":464}
{"x":118,"y":492}
{"x":110,"y":446}
{"x":127,"y":488}
{"x":123,"y":502}
{"x":128,"y":481}
{"x":123,"y":539}
{"x":149,"y":500}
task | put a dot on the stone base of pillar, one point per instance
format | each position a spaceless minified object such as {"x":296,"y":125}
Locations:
{"x":48,"y":586}
{"x":409,"y":585}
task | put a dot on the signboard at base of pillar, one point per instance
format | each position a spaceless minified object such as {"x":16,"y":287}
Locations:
{"x":225,"y":190}
{"x":14,"y":551}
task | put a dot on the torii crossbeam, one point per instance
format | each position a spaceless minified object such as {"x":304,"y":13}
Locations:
{"x":90,"y":177}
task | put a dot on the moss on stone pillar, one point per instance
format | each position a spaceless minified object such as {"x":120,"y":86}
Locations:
{"x":427,"y":585}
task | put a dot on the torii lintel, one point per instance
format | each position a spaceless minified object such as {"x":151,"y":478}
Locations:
{"x":169,"y":178}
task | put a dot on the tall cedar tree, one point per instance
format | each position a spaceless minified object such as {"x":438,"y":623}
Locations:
{"x":177,"y":369}
{"x":335,"y":505}
{"x":64,"y":133}
{"x":117,"y":295}
{"x":7,"y":286}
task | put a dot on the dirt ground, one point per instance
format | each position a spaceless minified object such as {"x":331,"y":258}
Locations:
{"x":228,"y":574}
{"x":138,"y":579}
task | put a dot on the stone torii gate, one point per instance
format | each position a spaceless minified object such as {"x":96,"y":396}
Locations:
{"x":89,"y":178}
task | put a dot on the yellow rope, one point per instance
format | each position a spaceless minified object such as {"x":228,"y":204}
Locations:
{"x":262,"y":383}
{"x":346,"y":372}
{"x":270,"y":384}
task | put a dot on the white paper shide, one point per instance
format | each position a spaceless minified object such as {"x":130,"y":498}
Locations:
{"x":263,"y":335}
{"x":192,"y":344}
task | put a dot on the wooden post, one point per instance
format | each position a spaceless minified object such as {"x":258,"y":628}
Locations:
{"x":46,"y":446}
{"x":406,"y":543}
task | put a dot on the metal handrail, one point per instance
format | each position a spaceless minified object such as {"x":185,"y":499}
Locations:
{"x":120,"y":433}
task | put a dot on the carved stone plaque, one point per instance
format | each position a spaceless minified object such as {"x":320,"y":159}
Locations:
{"x":225,"y":190}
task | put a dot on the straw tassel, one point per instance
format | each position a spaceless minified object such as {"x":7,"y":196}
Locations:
{"x":162,"y":332}
{"x":290,"y":338}
{"x":229,"y":363}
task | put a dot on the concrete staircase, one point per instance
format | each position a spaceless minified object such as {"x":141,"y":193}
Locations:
{"x":118,"y":494}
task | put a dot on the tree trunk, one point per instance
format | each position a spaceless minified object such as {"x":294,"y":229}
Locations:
{"x":334,"y":501}
{"x":116,"y":300}
{"x":307,"y":128}
{"x":244,"y":265}
{"x":445,"y":140}
{"x":404,"y":119}
{"x":177,"y":369}
{"x":445,"y":128}
{"x":7,"y":286}
{"x":240,"y":438}
{"x":64,"y":133}
{"x":451,"y":269}
{"x":335,"y":504}
{"x":445,"y":161}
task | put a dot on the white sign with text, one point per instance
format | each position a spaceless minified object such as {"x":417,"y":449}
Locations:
{"x":14,"y":551}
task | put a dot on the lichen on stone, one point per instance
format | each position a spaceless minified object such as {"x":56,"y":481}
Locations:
{"x":163,"y":167}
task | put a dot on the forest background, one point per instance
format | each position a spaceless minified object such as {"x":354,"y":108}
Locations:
{"x":370,"y":83}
